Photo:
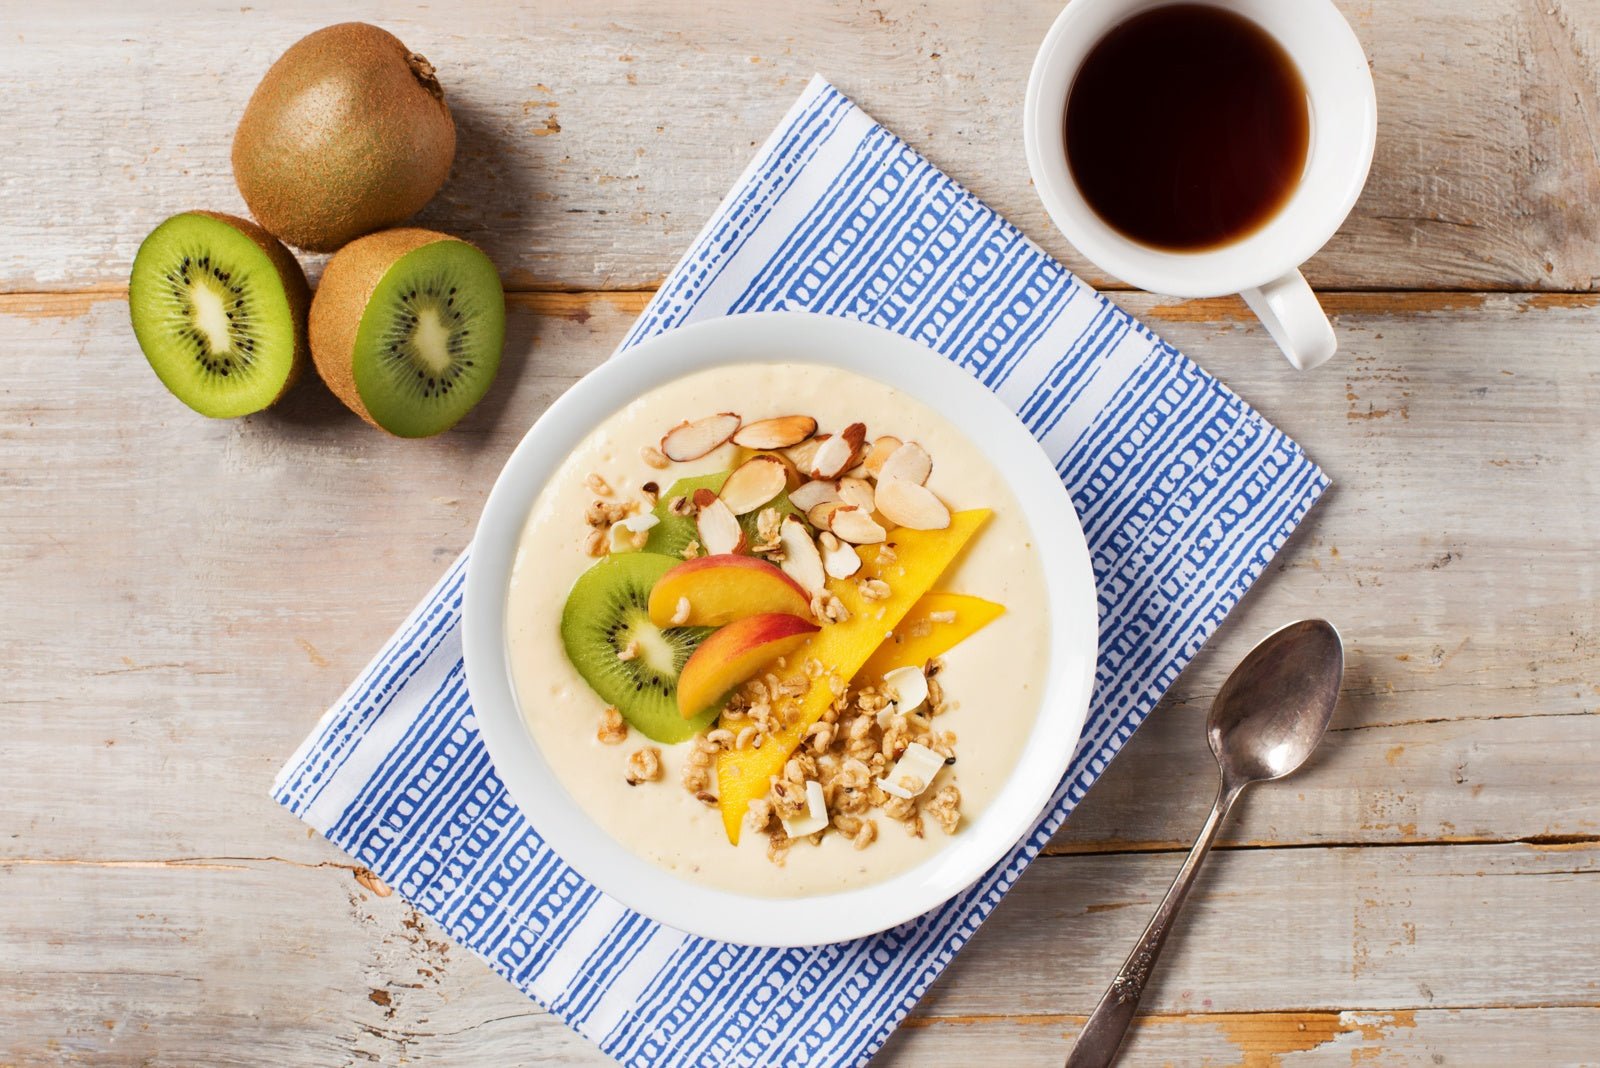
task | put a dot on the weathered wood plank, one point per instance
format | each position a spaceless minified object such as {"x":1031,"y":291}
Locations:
{"x":174,"y":662}
{"x":1465,"y":1038}
{"x":596,"y":138}
{"x":253,"y":962}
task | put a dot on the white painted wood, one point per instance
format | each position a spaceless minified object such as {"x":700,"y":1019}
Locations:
{"x":250,"y":962}
{"x":596,"y":138}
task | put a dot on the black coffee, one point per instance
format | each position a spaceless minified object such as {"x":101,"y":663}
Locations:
{"x":1186,"y":127}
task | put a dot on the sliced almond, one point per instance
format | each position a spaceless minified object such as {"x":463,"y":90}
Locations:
{"x":719,"y":531}
{"x":801,"y":455}
{"x":857,"y":491}
{"x":821,"y":516}
{"x":906,"y":504}
{"x":880,"y":452}
{"x":754,"y":483}
{"x":692,"y":440}
{"x":910,"y":463}
{"x":792,"y":475}
{"x":801,"y":561}
{"x":839,"y":559}
{"x":838,"y":454}
{"x":807,"y":496}
{"x":779,"y":433}
{"x":853,"y":525}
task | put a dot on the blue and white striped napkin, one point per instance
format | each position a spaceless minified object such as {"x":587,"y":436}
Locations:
{"x":1185,"y":495}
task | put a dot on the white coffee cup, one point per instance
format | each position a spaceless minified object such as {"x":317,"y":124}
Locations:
{"x":1263,"y":265}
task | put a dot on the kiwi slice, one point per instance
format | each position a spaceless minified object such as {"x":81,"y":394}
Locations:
{"x":407,"y":327}
{"x":605,"y":613}
{"x":674,"y":532}
{"x":219,"y":308}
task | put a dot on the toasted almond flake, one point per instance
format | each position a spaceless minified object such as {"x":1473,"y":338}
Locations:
{"x":692,"y":440}
{"x":839,"y":559}
{"x":910,"y":462}
{"x":801,"y":455}
{"x":810,"y":494}
{"x":801,"y":561}
{"x":838,"y":454}
{"x":857,"y":491}
{"x":680,"y":612}
{"x":855,"y":526}
{"x":719,"y":530}
{"x":909,"y":687}
{"x":831,"y":459}
{"x":779,"y":433}
{"x":653,"y":457}
{"x":754,"y":483}
{"x":880,"y":451}
{"x":821,"y":516}
{"x":907,"y":504}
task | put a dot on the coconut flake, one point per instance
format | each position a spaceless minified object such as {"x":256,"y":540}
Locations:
{"x":816,"y":817}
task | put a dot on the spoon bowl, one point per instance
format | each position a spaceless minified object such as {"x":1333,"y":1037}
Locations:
{"x":1275,"y":707}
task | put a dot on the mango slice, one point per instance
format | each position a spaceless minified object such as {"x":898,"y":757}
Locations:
{"x":920,"y":557}
{"x":914,"y":650}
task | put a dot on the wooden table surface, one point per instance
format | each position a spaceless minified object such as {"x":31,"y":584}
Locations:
{"x":183,"y":597}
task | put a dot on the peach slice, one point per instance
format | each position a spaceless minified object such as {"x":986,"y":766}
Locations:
{"x":722,"y":589}
{"x":735,"y":653}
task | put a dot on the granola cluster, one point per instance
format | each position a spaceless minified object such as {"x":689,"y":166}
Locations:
{"x":848,"y":751}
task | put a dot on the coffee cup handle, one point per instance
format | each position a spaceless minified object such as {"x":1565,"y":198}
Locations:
{"x":1291,"y":313}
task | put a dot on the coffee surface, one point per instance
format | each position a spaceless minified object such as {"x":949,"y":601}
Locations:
{"x":1187,"y":127}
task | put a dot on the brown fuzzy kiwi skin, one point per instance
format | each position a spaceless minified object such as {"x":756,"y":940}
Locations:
{"x":315,"y":178}
{"x":294,"y":287}
{"x":347,"y":285}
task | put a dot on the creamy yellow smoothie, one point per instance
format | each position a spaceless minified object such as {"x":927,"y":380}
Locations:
{"x":992,"y":681}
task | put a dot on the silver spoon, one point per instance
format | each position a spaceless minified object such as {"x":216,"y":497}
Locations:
{"x":1266,"y":720}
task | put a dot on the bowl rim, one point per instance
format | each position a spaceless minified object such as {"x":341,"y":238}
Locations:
{"x":925,"y":376}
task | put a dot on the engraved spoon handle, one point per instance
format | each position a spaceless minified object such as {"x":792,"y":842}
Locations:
{"x":1103,"y":1033}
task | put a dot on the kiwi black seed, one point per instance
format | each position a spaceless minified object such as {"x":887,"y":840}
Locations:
{"x":219,"y":308}
{"x":407,"y":328}
{"x":606,"y":614}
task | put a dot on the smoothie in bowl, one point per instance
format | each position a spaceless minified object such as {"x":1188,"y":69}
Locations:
{"x":779,"y":628}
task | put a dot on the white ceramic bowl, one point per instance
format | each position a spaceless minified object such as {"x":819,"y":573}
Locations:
{"x":777,"y":337}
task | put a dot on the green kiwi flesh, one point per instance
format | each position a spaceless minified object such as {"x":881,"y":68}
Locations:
{"x":605,"y":613}
{"x":673,"y":533}
{"x":218,"y":320}
{"x":430,"y":339}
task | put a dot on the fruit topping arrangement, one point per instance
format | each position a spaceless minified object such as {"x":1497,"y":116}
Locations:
{"x":780,"y":619}
{"x":347,"y":134}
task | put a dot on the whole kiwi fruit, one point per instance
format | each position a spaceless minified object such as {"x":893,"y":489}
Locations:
{"x":347,"y":133}
{"x":407,"y":327}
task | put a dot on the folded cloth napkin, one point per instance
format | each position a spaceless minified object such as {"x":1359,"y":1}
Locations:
{"x":1185,"y":494}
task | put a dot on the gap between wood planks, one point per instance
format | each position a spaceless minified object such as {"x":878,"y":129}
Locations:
{"x":1542,"y":842}
{"x":575,"y":303}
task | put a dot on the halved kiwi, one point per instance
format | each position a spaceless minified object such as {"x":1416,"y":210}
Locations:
{"x":674,"y":532}
{"x":407,"y":327}
{"x":605,"y":614}
{"x":219,"y":308}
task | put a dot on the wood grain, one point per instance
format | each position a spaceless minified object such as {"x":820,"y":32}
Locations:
{"x":595,"y":139}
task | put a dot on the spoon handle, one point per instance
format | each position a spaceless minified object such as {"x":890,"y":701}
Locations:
{"x":1103,"y":1033}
